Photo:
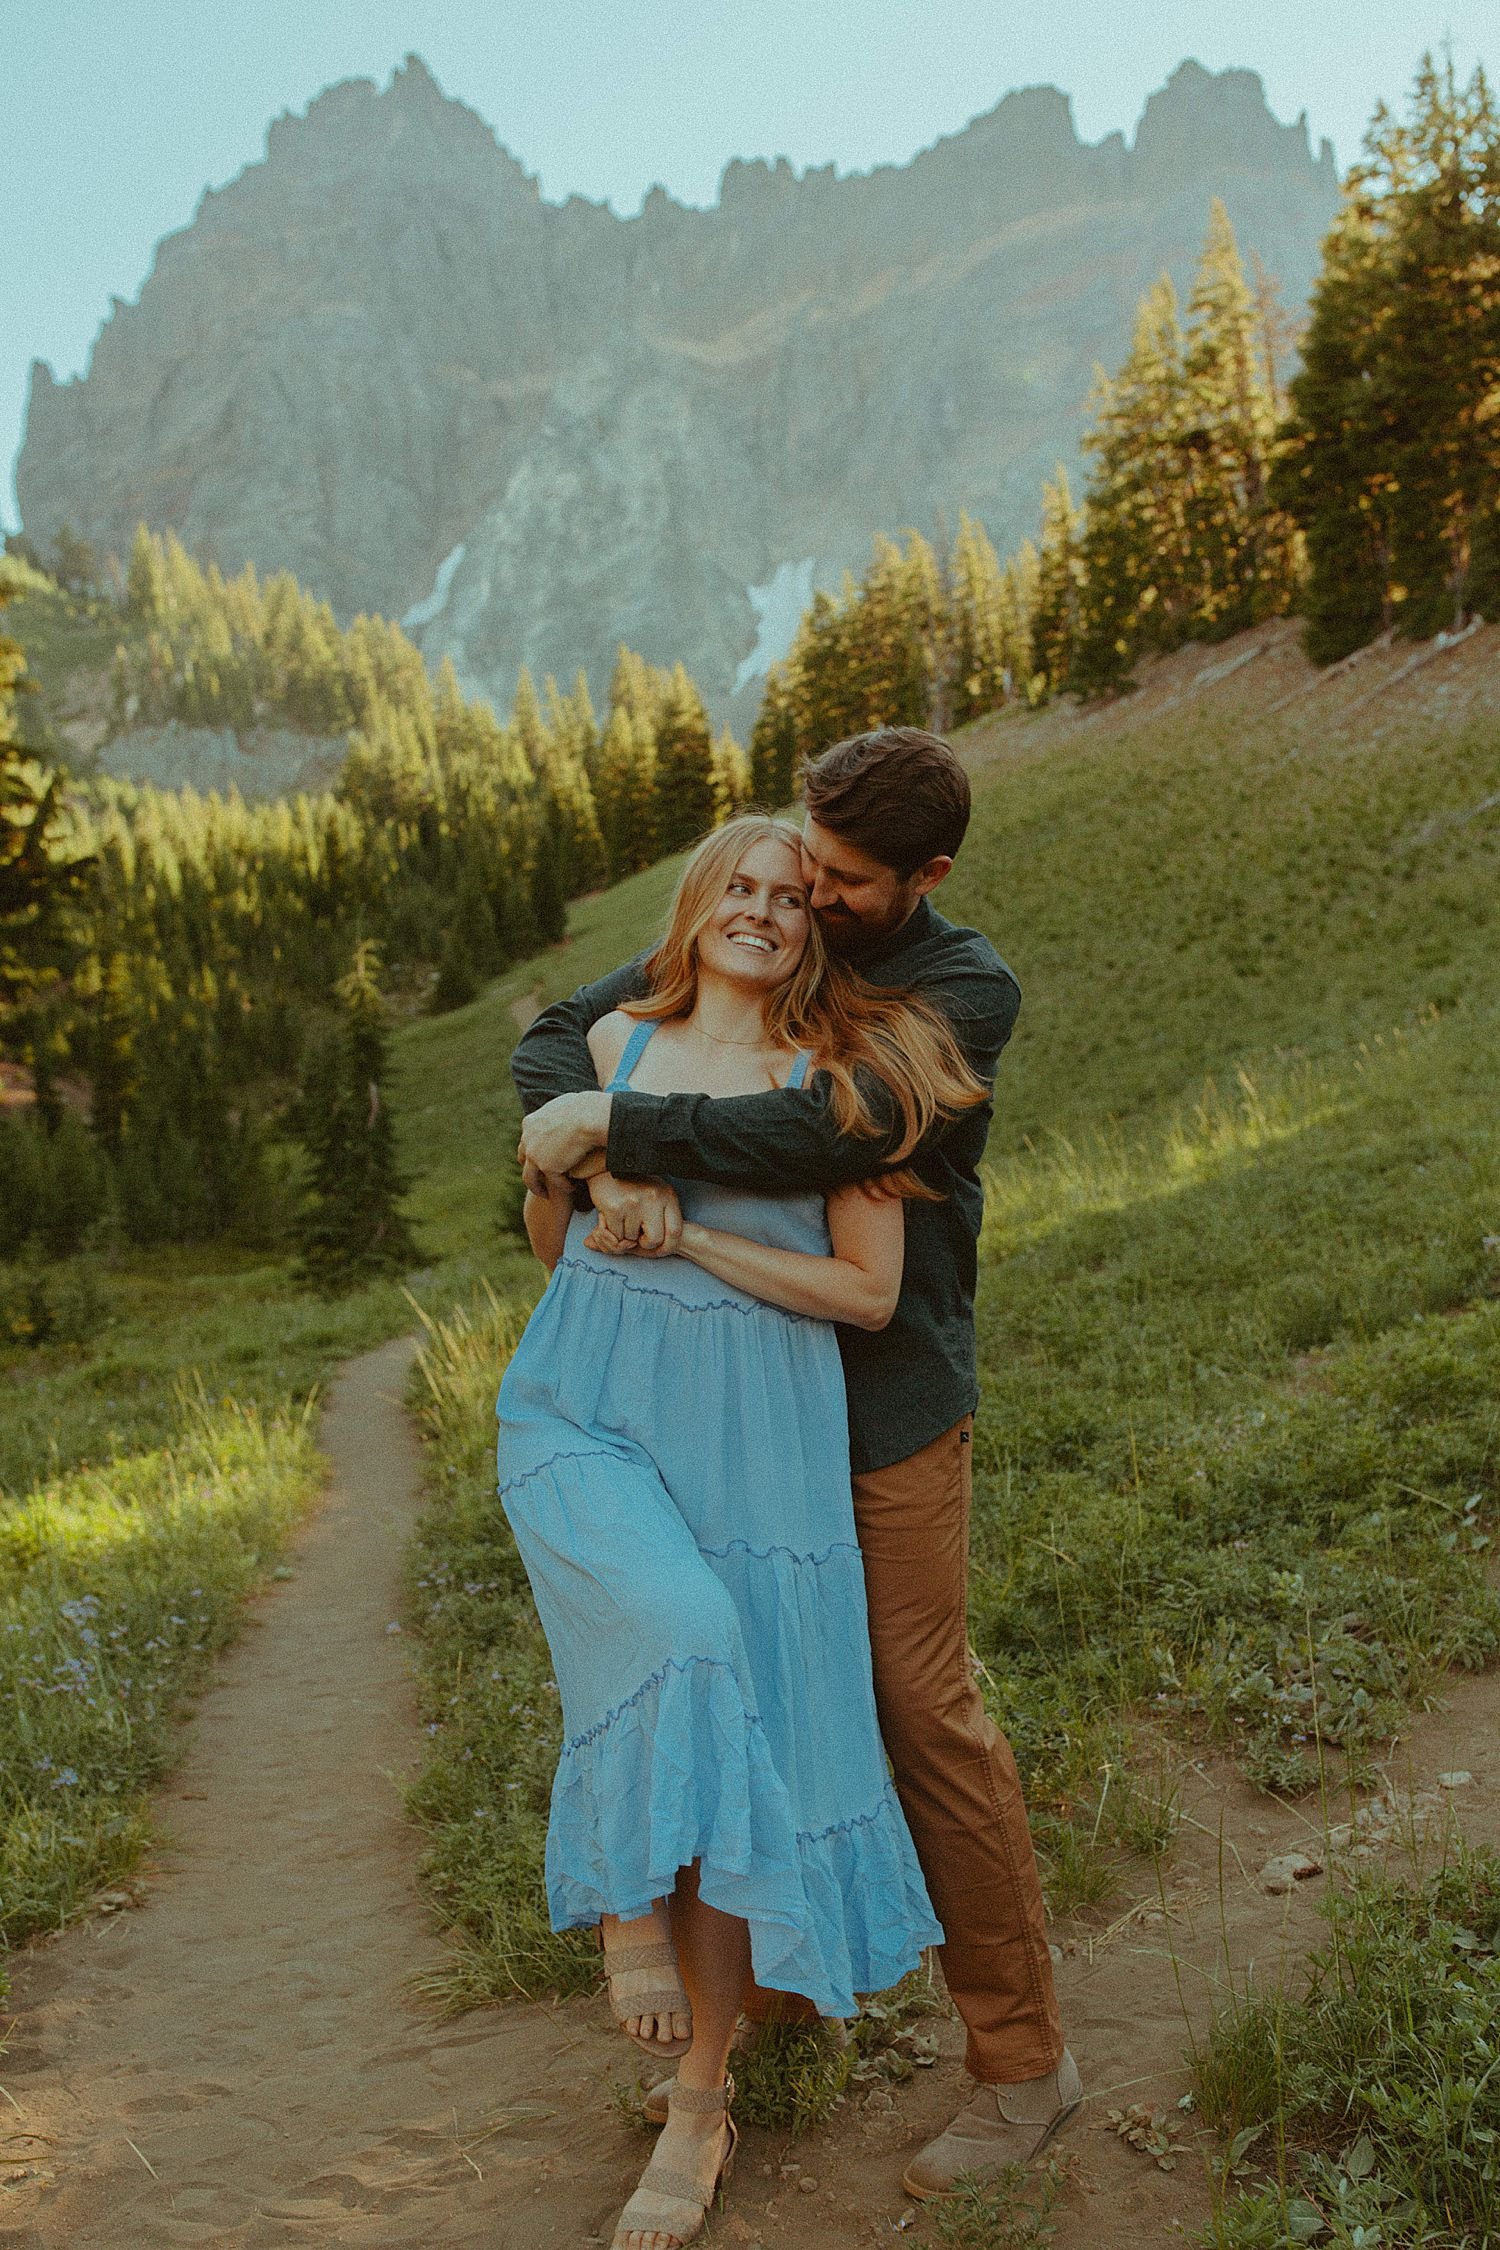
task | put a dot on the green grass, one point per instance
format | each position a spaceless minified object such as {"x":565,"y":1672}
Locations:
{"x":1236,"y":1467}
{"x":1009,"y":2212}
{"x":116,"y":1587}
{"x":488,"y":1699}
{"x":1369,"y":2089}
{"x":233,"y":1321}
{"x":1239,"y":1455}
{"x":96,"y":1423}
{"x":1239,"y":1319}
{"x":1210,"y":891}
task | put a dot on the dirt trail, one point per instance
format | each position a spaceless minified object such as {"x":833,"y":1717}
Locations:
{"x":239,"y":2062}
{"x":247,"y":2029}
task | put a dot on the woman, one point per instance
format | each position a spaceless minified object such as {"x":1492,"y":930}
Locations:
{"x":674,"y":1463}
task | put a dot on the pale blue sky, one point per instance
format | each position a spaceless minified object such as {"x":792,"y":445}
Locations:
{"x":116,"y":114}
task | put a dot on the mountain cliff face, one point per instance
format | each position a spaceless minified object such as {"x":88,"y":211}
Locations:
{"x":380,"y":360}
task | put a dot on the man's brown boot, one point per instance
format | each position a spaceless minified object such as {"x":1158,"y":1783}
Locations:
{"x":997,"y":2126}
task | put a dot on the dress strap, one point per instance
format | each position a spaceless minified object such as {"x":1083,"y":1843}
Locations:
{"x":797,"y":1075}
{"x":625,"y":1067}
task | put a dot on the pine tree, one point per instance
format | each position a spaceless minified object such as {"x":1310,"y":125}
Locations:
{"x":457,"y":981}
{"x":529,"y":727}
{"x":982,"y":625}
{"x":71,"y":1188}
{"x":582,"y":856}
{"x":1441,"y":341}
{"x":112,"y":1040}
{"x":731,"y":776}
{"x":1134,"y":583}
{"x":511,"y":898}
{"x":1391,"y":452}
{"x":20,"y":1167}
{"x":626,"y":793}
{"x":686,"y":800}
{"x":1329,"y":475}
{"x":883,"y":660}
{"x":774,"y":750}
{"x":1241,"y":554}
{"x":42,"y":876}
{"x":572,"y":725}
{"x":1181,"y":537}
{"x":820,"y":674}
{"x":637,"y":687}
{"x":549,"y":909}
{"x":1059,"y":578}
{"x":353,"y":1226}
{"x":145,"y":579}
{"x":1018,"y":602}
{"x":75,"y":562}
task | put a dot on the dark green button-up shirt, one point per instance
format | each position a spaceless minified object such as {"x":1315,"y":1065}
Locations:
{"x":909,"y":1381}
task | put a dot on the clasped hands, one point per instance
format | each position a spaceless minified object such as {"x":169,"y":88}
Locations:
{"x":563,"y":1142}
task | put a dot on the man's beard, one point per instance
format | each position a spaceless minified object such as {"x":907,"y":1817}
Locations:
{"x":844,"y":934}
{"x":847,"y":937}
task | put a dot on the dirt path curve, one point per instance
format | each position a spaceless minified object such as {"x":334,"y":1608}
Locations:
{"x":240,"y":2063}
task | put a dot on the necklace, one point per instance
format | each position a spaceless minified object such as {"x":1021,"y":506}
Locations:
{"x":714,"y":1040}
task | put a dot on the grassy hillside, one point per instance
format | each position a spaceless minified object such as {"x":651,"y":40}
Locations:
{"x":1238,"y":1320}
{"x":1239,"y":1324}
{"x":1189,"y":883}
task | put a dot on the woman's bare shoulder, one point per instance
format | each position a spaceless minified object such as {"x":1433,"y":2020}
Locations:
{"x":607,"y":1041}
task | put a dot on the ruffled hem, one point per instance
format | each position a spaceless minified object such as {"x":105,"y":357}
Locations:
{"x":682,"y":1771}
{"x":682,"y":1288}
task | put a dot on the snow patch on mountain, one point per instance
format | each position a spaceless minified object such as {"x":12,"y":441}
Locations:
{"x":778,"y":607}
{"x":423,"y":613}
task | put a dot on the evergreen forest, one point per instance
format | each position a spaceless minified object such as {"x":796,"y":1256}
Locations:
{"x":172,"y":961}
{"x":1240,"y":466}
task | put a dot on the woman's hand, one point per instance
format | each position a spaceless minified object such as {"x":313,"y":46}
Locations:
{"x":640,"y":1215}
{"x":639,"y":1218}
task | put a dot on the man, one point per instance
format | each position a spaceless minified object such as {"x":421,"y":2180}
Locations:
{"x":886,"y":813}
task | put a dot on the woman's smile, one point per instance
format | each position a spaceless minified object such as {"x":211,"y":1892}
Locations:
{"x":759,"y":928}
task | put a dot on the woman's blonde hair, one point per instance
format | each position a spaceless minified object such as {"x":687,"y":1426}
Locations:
{"x":847,"y":1025}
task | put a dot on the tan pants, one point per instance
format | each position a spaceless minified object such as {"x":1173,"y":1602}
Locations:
{"x":955,"y":1774}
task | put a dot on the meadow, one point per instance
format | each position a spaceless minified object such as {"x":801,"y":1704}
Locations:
{"x":1238,"y":1465}
{"x":1236,"y":1478}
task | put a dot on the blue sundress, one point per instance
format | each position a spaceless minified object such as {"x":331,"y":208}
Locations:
{"x":674,"y":1463}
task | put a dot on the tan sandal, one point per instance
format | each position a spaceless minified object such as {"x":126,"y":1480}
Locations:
{"x":747,"y":2031}
{"x":662,"y":1999}
{"x":664,"y":2193}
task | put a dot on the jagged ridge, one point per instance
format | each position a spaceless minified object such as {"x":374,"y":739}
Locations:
{"x":379,"y":346}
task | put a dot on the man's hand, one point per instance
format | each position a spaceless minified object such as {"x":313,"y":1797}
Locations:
{"x":640,"y":1216}
{"x":565,"y":1132}
{"x":534,"y":1178}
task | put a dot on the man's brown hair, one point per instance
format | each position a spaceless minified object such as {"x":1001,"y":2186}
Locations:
{"x":899,"y":794}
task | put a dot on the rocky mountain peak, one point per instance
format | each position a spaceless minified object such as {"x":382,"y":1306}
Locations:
{"x":1201,"y":116}
{"x":356,"y":128}
{"x":379,"y":359}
